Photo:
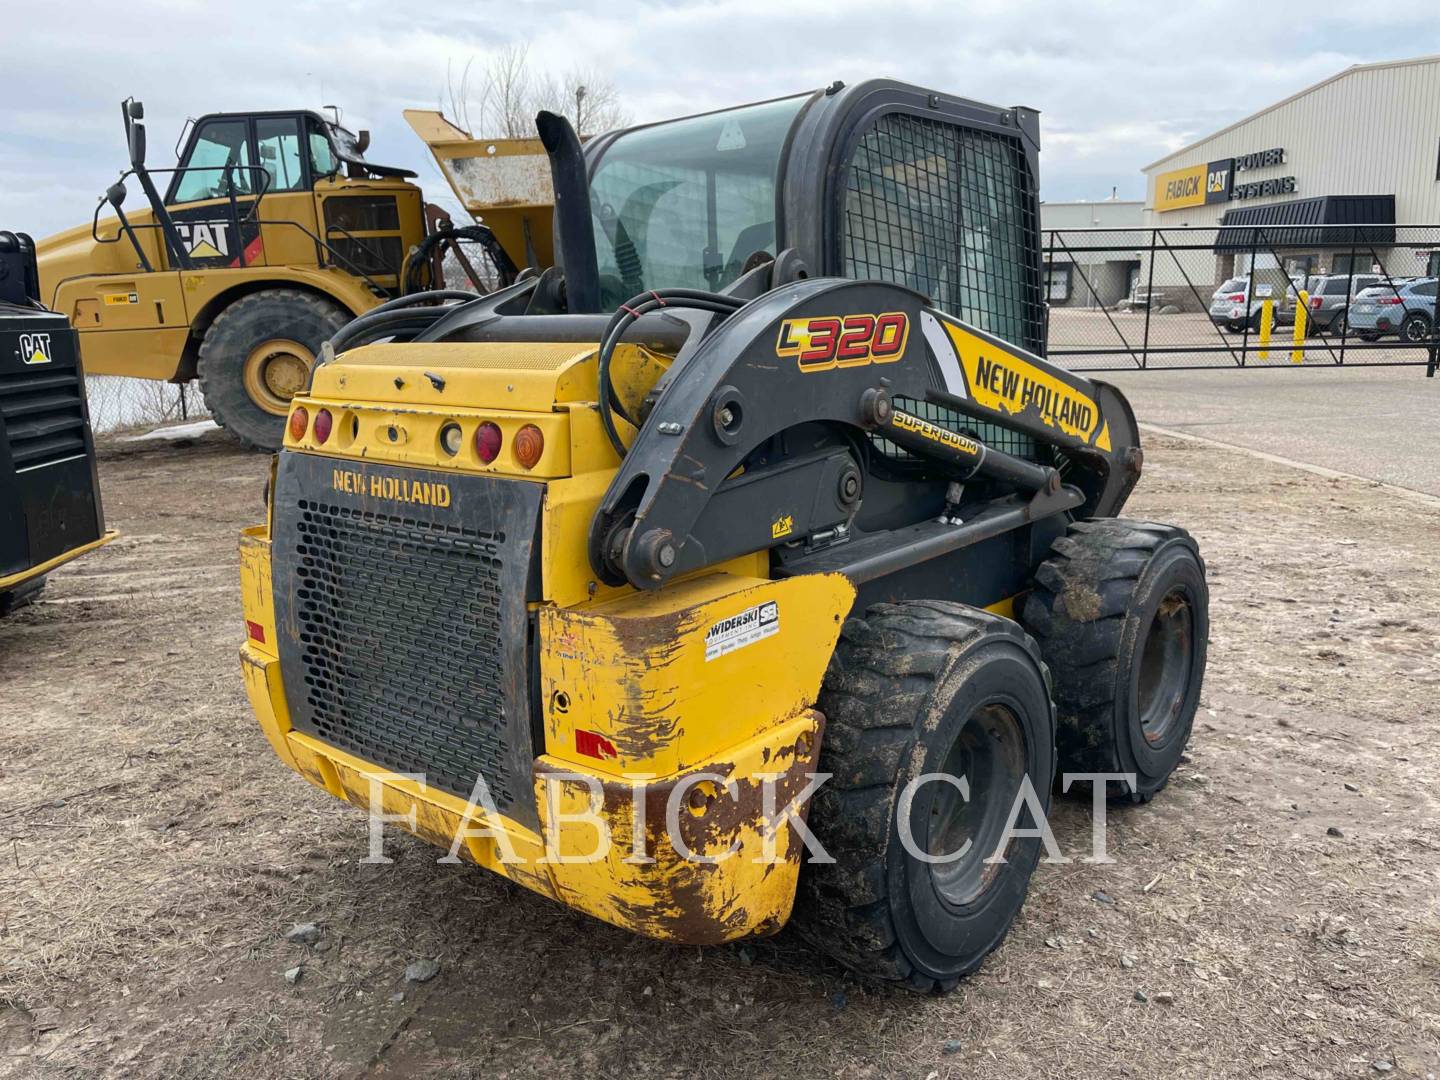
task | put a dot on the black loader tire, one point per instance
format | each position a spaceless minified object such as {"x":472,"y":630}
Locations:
{"x":912,"y":688}
{"x":18,"y":597}
{"x":1121,"y":612}
{"x":270,"y":314}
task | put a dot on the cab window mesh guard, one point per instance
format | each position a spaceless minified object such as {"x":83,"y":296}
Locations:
{"x":947,"y":211}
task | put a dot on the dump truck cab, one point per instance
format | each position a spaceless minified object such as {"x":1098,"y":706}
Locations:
{"x":584,"y":549}
{"x":280,"y":210}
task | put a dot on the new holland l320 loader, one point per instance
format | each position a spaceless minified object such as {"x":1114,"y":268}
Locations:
{"x":767,"y":479}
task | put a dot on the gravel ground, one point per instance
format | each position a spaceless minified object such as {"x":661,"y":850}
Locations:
{"x":1276,"y":907}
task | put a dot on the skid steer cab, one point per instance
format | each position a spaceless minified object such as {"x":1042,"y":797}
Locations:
{"x":271,"y":232}
{"x":758,"y":520}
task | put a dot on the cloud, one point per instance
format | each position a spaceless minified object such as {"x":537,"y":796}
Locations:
{"x":1117,"y":84}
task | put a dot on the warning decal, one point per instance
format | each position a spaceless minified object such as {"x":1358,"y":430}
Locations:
{"x":751,"y":625}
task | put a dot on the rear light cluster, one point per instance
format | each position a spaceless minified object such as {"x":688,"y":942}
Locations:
{"x":1388,"y":301}
{"x":1315,"y":302}
{"x":1237,"y":298}
{"x":528,"y":444}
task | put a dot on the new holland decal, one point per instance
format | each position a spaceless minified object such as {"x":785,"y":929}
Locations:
{"x":1001,"y":378}
{"x":822,"y":343}
{"x":394,"y":488}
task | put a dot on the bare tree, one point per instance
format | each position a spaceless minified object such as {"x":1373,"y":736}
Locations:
{"x":502,"y":100}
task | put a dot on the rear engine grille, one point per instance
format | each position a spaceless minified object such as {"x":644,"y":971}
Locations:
{"x":399,"y":634}
{"x":43,"y":416}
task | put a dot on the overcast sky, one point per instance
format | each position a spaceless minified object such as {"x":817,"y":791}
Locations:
{"x":1117,"y":84}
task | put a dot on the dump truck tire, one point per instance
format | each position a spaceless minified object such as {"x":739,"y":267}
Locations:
{"x":1121,"y":612}
{"x":257,"y":354}
{"x":917,"y":688}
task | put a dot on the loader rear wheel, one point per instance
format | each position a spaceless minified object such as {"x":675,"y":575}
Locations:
{"x":258,"y":354}
{"x":914,"y":690}
{"x":1121,"y":612}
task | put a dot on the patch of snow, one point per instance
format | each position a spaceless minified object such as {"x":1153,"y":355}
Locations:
{"x":175,"y":431}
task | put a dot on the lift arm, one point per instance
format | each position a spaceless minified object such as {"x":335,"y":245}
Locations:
{"x":839,"y":353}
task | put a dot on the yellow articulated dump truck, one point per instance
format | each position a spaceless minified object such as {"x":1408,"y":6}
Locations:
{"x":271,"y":233}
{"x":751,"y":564}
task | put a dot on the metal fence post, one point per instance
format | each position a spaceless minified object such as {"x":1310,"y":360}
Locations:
{"x":1249,"y":300}
{"x":1149,"y":303}
{"x":1349,"y":299}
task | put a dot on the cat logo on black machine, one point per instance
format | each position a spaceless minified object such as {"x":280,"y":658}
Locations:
{"x":35,"y":348}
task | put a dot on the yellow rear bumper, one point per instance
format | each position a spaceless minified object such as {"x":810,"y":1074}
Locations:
{"x":742,"y":884}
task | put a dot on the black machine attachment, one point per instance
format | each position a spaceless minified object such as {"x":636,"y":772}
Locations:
{"x":49,"y":495}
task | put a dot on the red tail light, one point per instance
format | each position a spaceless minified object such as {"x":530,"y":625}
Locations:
{"x":323,"y":424}
{"x":1388,"y":301}
{"x":1236,"y":298}
{"x":487,"y":442}
{"x":299,"y":421}
{"x":1315,"y":302}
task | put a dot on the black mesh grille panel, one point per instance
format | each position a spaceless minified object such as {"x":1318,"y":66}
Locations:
{"x":948,"y":211}
{"x":399,"y":627}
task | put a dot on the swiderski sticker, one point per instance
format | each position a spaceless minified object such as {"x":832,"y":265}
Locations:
{"x":751,"y":625}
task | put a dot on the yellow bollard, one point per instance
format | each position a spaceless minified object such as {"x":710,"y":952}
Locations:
{"x":1302,"y":314}
{"x":1267,"y":320}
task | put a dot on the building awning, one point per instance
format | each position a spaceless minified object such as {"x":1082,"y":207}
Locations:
{"x":1278,"y":225}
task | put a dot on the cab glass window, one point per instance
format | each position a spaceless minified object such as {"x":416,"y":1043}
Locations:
{"x":322,"y":155}
{"x":688,"y":203}
{"x":219,"y":162}
{"x":279,"y":143}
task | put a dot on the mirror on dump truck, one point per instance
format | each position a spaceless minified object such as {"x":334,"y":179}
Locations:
{"x":806,"y":522}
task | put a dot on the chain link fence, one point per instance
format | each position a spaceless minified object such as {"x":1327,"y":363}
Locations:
{"x":119,"y":404}
{"x":1122,"y":299}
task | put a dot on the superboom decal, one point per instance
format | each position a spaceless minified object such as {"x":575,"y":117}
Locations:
{"x":825,"y":342}
{"x":961,"y":444}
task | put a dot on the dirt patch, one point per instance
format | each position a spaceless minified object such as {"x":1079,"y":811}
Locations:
{"x":153,"y":852}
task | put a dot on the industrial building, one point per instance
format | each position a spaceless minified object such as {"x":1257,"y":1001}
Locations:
{"x":1096,"y":270}
{"x":1361,"y":148}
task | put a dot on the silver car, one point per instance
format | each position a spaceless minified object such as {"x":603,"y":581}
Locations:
{"x":1330,"y":298}
{"x":1232,"y":306}
{"x":1405,"y":308}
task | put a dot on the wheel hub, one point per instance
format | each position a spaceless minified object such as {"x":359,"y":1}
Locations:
{"x":275,"y":371}
{"x":989,"y":753}
{"x":1165,"y":666}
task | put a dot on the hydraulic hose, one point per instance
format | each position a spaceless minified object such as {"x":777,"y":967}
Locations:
{"x":400,"y":319}
{"x":626,"y":314}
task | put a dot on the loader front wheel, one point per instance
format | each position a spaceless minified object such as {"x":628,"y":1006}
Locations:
{"x":258,"y":354}
{"x":940,"y":739}
{"x":1121,"y":612}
